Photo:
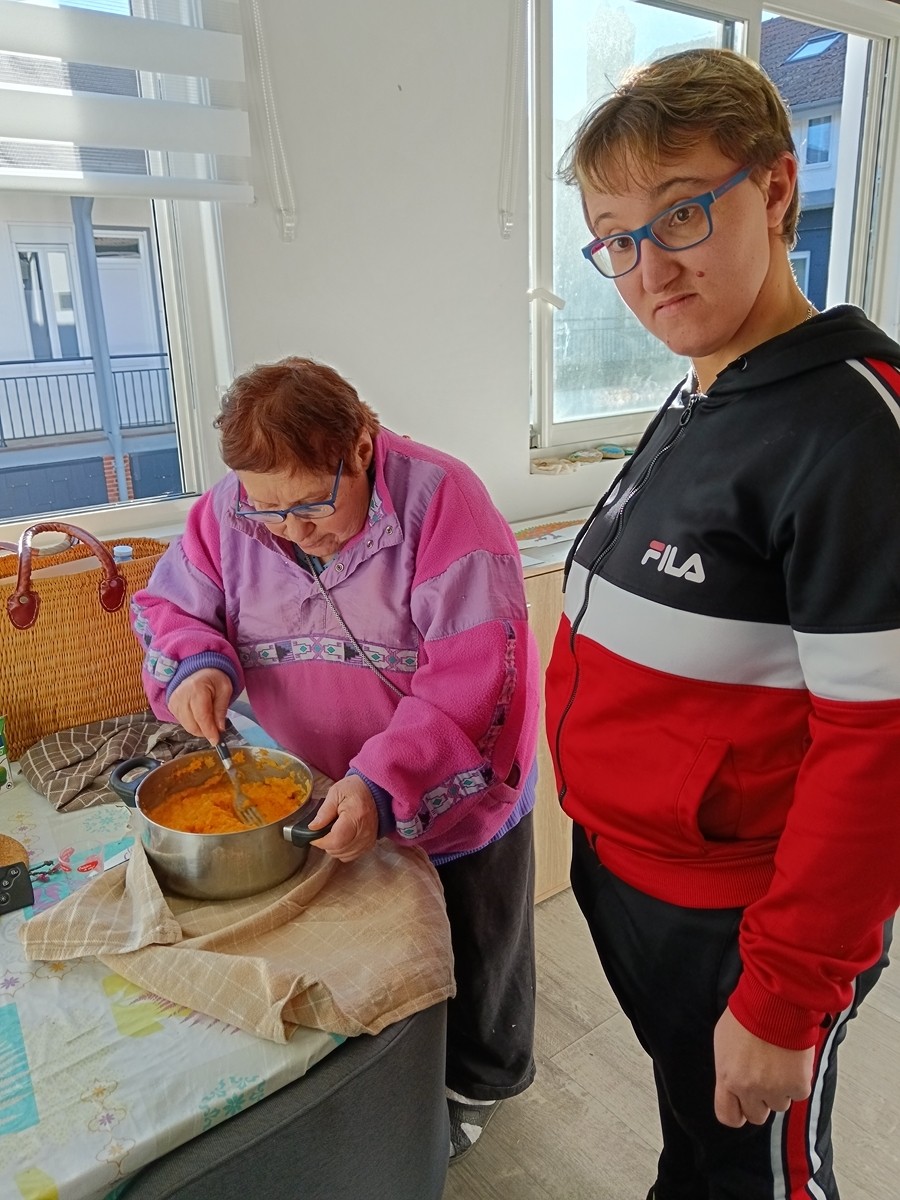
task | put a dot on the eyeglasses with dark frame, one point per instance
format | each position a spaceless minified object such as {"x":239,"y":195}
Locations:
{"x":679,"y":227}
{"x":309,"y":512}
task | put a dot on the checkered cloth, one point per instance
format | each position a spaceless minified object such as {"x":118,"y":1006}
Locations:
{"x":72,"y":768}
{"x":344,"y":947}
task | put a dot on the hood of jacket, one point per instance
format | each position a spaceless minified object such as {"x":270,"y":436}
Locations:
{"x":836,"y":335}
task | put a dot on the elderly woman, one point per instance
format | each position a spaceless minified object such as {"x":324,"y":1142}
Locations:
{"x":369,"y":597}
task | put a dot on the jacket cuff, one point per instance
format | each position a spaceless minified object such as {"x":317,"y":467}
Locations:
{"x":196,"y":662}
{"x":383,"y":802}
{"x":773,"y":1018}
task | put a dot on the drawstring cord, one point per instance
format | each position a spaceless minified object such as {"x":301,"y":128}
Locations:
{"x":331,"y":604}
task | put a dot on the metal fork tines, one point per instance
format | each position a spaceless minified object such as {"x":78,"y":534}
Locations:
{"x":244,"y":809}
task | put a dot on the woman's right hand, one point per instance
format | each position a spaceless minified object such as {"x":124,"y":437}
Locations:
{"x":200,"y":702}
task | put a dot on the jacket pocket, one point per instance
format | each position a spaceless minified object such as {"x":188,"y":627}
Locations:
{"x":709,"y":802}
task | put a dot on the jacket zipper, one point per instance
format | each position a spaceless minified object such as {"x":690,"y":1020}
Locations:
{"x":603,"y":553}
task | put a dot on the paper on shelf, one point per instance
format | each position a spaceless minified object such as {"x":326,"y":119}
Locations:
{"x":552,"y":536}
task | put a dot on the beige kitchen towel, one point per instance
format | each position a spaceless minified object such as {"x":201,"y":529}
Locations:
{"x":344,"y":947}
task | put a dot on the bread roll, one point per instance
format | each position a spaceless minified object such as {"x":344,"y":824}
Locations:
{"x":11,"y":851}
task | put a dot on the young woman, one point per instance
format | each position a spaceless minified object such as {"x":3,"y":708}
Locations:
{"x":723,"y":698}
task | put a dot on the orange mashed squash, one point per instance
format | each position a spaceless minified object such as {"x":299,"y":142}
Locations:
{"x":208,"y":807}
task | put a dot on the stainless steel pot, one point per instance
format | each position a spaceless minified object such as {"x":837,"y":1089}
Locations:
{"x":219,"y":866}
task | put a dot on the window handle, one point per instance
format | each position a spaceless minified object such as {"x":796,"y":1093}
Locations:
{"x":539,"y":293}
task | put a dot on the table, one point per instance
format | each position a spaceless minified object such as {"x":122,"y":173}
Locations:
{"x":97,"y":1077}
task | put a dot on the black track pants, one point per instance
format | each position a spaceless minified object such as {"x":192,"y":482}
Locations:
{"x":490,"y":1020}
{"x":672,"y":970}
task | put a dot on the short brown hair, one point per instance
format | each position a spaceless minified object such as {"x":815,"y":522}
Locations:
{"x":666,"y":107}
{"x":291,"y":414}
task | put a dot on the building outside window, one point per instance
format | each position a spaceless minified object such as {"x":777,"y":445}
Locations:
{"x":51,"y":415}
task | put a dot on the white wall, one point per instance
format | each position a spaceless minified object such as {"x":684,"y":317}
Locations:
{"x":392,"y":120}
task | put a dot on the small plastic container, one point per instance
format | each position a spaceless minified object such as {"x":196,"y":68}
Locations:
{"x":121,"y":554}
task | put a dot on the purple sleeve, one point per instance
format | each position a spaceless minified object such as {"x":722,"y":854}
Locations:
{"x":179,"y":618}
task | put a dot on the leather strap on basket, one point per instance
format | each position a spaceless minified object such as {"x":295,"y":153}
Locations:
{"x":22,"y":606}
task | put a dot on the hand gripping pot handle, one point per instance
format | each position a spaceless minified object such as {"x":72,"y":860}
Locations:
{"x":299,"y":833}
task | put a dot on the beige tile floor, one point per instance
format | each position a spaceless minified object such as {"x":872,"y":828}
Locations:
{"x":587,"y":1128}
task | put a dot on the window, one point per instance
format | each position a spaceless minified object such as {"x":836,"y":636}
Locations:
{"x":117,"y":138}
{"x":818,"y":140}
{"x":597,"y":372}
{"x":800,"y":264}
{"x":49,"y":304}
{"x":597,"y":375}
{"x":110,"y":245}
{"x":86,"y":372}
{"x":813,"y":48}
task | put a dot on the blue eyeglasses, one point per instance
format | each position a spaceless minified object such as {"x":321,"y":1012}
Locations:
{"x":680,"y":227}
{"x":309,"y":512}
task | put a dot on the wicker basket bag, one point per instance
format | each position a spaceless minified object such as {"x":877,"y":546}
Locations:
{"x":67,"y":653}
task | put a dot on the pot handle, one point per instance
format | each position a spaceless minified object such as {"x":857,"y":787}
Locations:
{"x":299,"y":833}
{"x":126,"y":789}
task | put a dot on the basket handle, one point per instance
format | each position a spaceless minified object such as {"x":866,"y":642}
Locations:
{"x":22,"y":606}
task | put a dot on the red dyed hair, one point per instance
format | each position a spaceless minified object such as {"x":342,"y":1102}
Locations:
{"x":293,"y":414}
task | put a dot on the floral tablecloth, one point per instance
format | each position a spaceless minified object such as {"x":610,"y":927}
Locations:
{"x":97,"y":1077}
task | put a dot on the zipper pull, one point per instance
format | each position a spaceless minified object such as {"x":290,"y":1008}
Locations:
{"x":686,"y":415}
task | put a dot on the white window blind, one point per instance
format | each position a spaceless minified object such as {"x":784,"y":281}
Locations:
{"x":111,"y":98}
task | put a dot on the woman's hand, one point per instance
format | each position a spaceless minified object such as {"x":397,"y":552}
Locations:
{"x":753,"y":1077}
{"x":356,"y":828}
{"x":200,"y":702}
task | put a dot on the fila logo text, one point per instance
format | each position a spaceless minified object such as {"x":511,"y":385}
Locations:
{"x":691,"y":568}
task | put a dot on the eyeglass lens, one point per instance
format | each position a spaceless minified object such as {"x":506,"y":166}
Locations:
{"x":306,"y":511}
{"x":677,"y":228}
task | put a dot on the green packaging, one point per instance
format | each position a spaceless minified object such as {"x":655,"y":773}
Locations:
{"x":5,"y":780}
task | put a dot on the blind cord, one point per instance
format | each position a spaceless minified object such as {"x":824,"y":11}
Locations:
{"x":512,"y":117}
{"x":275,"y":156}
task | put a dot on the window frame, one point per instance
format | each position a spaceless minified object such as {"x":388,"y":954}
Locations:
{"x":189,"y":241}
{"x":190,"y":121}
{"x":873,"y":277}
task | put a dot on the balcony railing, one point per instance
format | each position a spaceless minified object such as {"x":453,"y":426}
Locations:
{"x":55,"y":398}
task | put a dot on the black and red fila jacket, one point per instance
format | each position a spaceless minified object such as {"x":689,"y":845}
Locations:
{"x":723,"y":697}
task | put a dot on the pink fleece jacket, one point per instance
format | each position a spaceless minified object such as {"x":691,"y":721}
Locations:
{"x":432,"y":590}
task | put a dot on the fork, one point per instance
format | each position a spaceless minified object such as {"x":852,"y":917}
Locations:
{"x":244,"y":810}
